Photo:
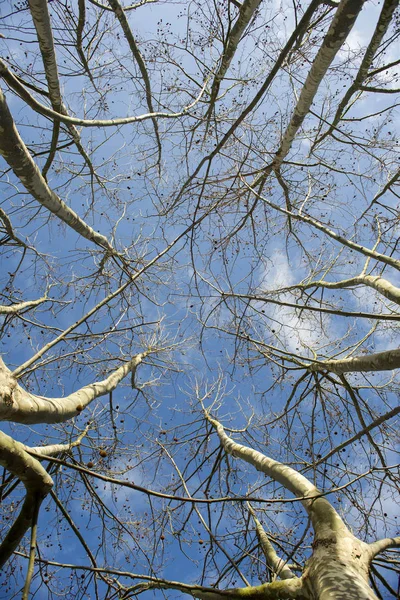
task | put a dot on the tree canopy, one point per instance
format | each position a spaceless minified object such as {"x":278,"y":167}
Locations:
{"x":199,"y":226}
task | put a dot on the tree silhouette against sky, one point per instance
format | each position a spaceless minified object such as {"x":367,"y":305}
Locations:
{"x":199,"y":227}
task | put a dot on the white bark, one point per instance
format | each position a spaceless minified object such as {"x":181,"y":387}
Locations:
{"x":277,"y":565}
{"x":381,"y":28}
{"x":338,"y":31}
{"x":20,"y":306}
{"x":339,"y":566}
{"x":379,"y":361}
{"x":247,"y":10}
{"x":376,"y":282}
{"x":16,"y":154}
{"x":323,"y":515}
{"x":37,"y":482}
{"x":20,"y":406}
{"x":16,"y":85}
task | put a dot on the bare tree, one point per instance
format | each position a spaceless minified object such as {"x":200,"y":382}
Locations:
{"x":200,"y":299}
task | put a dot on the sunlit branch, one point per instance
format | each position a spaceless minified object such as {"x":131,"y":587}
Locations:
{"x":342,"y":23}
{"x":290,"y":479}
{"x":376,"y":282}
{"x":381,"y":28}
{"x":22,"y":306}
{"x":37,"y":482}
{"x":277,"y":565}
{"x":14,"y":83}
{"x":339,"y":238}
{"x":21,"y":406}
{"x":246,"y":13}
{"x":379,"y":361}
{"x":16,"y":154}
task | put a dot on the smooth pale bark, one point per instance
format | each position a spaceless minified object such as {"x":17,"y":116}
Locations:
{"x":16,"y":154}
{"x":319,"y":509}
{"x":37,"y":482}
{"x":341,"y":25}
{"x":41,"y":19}
{"x":376,"y":282}
{"x":339,"y":565}
{"x":20,"y":306}
{"x":277,"y":565}
{"x":55,"y":449}
{"x":385,"y":18}
{"x":379,"y":361}
{"x":15,"y":83}
{"x":381,"y":545}
{"x":20,"y":406}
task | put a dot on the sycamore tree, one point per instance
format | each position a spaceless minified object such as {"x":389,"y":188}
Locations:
{"x":199,"y":299}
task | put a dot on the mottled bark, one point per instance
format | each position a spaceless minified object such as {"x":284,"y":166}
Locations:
{"x":339,"y":565}
{"x":20,"y":406}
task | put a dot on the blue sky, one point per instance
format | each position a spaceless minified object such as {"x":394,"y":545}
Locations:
{"x":176,"y":302}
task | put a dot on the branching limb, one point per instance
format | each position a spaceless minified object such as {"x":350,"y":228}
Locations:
{"x":289,"y":589}
{"x":388,"y":260}
{"x":277,"y":565}
{"x":383,"y":544}
{"x":246,"y":13}
{"x":323,"y":515}
{"x":379,"y":361}
{"x":55,"y":449}
{"x":20,"y":406}
{"x":120,"y":14}
{"x":21,"y":306}
{"x":376,"y":282}
{"x":41,"y":19}
{"x":16,"y":154}
{"x":381,"y":28}
{"x":342,"y":23}
{"x":37,"y":482}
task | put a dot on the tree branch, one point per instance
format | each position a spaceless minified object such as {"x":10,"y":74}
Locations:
{"x":37,"y":482}
{"x":20,"y":406}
